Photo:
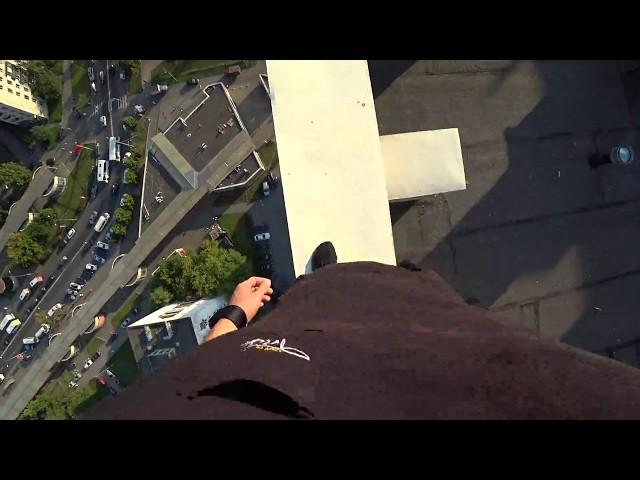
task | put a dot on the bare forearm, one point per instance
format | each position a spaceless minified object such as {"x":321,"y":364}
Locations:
{"x":222,"y":327}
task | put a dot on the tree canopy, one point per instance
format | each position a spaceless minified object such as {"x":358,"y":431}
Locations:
{"x":212,"y":271}
{"x":15,"y":175}
{"x":160,"y":297}
{"x":22,"y":250}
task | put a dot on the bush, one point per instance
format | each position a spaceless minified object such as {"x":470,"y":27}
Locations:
{"x":123,"y":215}
{"x":130,"y":122}
{"x":128,"y":201}
{"x":131,"y":176}
{"x":160,"y":297}
{"x":131,"y":162}
{"x":82,"y":100}
{"x":24,"y":251}
{"x":15,"y":175}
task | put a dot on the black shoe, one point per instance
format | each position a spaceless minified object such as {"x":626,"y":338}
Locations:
{"x":323,"y":255}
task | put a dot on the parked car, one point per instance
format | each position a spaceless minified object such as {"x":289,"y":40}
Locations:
{"x":54,"y":309}
{"x":265,"y":188}
{"x":109,"y":235}
{"x":13,"y":326}
{"x":91,"y":267}
{"x":95,"y":356}
{"x":50,"y":281}
{"x":260,"y":237}
{"x":139,"y":109}
{"x":87,"y":364}
{"x":70,"y":235}
{"x":193,"y":81}
{"x":99,"y":259}
{"x":125,"y":323}
{"x":102,"y":221}
{"x":24,"y":294}
{"x":42,"y":331}
{"x":102,"y":245}
{"x":36,"y":280}
{"x":123,"y":76}
{"x":92,"y":218}
{"x":103,"y":120}
{"x":76,"y":286}
{"x":62,"y":261}
{"x":71,"y":291}
{"x":5,"y":321}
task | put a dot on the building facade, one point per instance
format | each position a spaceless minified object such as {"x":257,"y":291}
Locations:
{"x":18,"y":105}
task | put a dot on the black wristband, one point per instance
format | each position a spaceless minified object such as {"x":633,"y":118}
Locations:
{"x":230,"y":312}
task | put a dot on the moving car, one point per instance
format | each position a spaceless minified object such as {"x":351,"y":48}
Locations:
{"x":13,"y":326}
{"x":99,"y":259}
{"x":102,"y":245}
{"x":115,"y":187}
{"x":92,"y":218}
{"x":24,"y":294}
{"x":36,"y":280}
{"x":193,"y":81}
{"x":70,"y":235}
{"x":123,"y":76}
{"x":265,"y":188}
{"x":262,"y":237}
{"x":91,"y":267}
{"x":103,"y":120}
{"x":54,"y":309}
{"x":62,"y":260}
{"x":76,"y":286}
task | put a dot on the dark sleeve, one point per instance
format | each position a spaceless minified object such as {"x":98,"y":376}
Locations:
{"x":383,"y":342}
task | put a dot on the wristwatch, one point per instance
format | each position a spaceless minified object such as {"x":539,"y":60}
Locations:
{"x":230,"y":312}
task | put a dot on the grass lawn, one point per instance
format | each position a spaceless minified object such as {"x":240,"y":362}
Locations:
{"x":184,"y":69}
{"x":269,"y":156}
{"x":94,"y":345}
{"x":238,"y":226}
{"x":123,"y":365}
{"x":135,"y":82}
{"x":71,"y":203}
{"x":124,"y":310}
{"x":140,"y":139}
{"x":94,"y":393}
{"x":80,"y":82}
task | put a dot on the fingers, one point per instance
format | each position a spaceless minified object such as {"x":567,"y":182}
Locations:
{"x":266,"y":298}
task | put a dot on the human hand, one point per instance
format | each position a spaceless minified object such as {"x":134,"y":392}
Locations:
{"x":251,"y":295}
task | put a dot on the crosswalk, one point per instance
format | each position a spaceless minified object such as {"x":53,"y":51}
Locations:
{"x":118,"y":103}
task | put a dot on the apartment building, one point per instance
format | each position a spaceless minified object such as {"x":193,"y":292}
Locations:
{"x":18,"y":105}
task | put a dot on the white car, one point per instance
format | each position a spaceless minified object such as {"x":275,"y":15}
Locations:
{"x":265,"y":188}
{"x":54,"y":309}
{"x":75,"y":286}
{"x":262,"y":236}
{"x":43,"y":330}
{"x":99,"y":259}
{"x":102,"y":245}
{"x":122,"y":76}
{"x":91,"y":267}
{"x":36,"y":280}
{"x":70,"y":235}
{"x":103,"y":120}
{"x":87,"y":364}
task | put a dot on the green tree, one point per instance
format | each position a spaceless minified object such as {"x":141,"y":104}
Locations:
{"x":130,"y":122}
{"x":82,"y":100}
{"x":131,"y":176}
{"x":119,"y":230}
{"x":61,"y":403}
{"x":44,"y":82}
{"x":131,"y":162}
{"x":47,"y":135}
{"x":15,"y":175}
{"x":218,"y":270}
{"x":53,"y":321}
{"x":123,"y":215}
{"x":175,"y":275}
{"x":129,"y":66}
{"x":37,"y":232}
{"x":128,"y":201}
{"x":24,"y":251}
{"x":47,"y":217}
{"x":3,"y":215}
{"x":160,"y":297}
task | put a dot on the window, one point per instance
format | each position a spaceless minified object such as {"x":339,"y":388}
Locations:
{"x":9,"y":82}
{"x":9,"y":90}
{"x":26,"y":97}
{"x":18,"y":93}
{"x":25,"y":89}
{"x":1,"y":86}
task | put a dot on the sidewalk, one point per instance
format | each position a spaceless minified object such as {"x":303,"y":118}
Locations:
{"x":147,"y":69}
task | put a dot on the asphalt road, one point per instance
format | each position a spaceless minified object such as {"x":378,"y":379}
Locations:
{"x":81,"y":249}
